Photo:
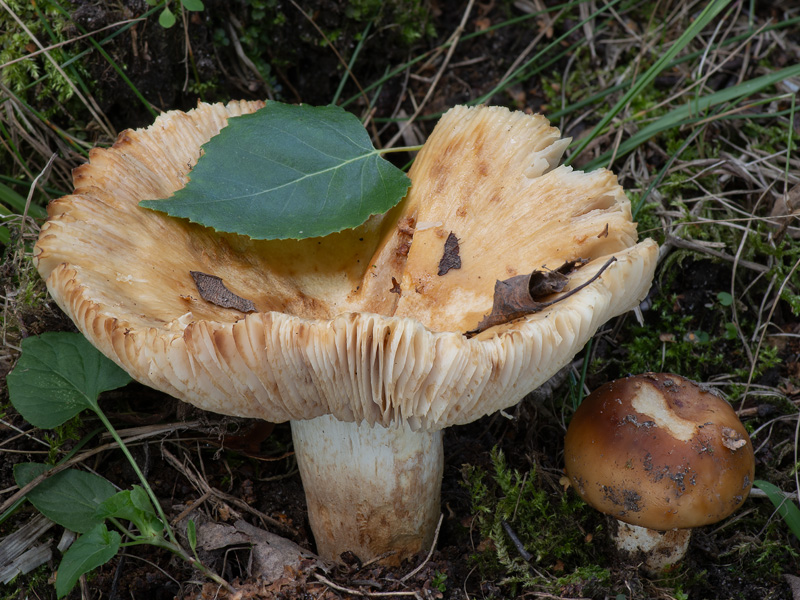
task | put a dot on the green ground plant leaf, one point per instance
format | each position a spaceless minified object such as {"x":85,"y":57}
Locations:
{"x":694,"y":110}
{"x":288,"y":172}
{"x":194,"y":5}
{"x":132,"y":505}
{"x":166,"y":19}
{"x":785,"y":506}
{"x":70,"y":498}
{"x":88,"y":552}
{"x":58,"y":375}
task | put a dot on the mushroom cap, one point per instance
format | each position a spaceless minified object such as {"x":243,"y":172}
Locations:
{"x":330,"y":334}
{"x":659,"y":451}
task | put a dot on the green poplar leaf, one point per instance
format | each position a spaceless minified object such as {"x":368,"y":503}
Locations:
{"x":57,"y":376}
{"x":88,"y":552}
{"x":285,"y":172}
{"x":70,"y":498}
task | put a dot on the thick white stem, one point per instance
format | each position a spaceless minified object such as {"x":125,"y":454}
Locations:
{"x":654,"y":550}
{"x":370,"y":490}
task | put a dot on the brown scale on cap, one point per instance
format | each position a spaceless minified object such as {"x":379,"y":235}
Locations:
{"x":659,"y":451}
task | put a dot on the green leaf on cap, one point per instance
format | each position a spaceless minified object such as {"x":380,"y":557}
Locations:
{"x":288,"y":172}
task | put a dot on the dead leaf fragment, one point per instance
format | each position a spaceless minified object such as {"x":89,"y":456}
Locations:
{"x":521,"y":295}
{"x":450,"y":258}
{"x":213,"y":290}
{"x":732,"y":439}
{"x":544,"y":283}
{"x":395,"y":287}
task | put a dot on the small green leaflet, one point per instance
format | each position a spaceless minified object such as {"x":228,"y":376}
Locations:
{"x":288,"y":172}
{"x":58,"y":375}
{"x":89,"y":551}
{"x":132,"y":505}
{"x":166,"y":19}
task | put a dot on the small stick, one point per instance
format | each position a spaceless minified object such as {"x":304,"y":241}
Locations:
{"x":527,"y":556}
{"x":203,"y":486}
{"x":430,"y":552}
{"x":345,"y":590}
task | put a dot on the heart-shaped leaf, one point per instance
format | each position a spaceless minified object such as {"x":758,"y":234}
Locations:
{"x":58,"y":375}
{"x":288,"y":172}
{"x":71,"y":498}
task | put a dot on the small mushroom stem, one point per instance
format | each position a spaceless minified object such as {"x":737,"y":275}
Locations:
{"x":655,"y":550}
{"x":370,"y":490}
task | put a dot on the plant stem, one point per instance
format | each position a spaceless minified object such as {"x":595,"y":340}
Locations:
{"x":172,"y":545}
{"x":400,"y":149}
{"x":139,"y":474}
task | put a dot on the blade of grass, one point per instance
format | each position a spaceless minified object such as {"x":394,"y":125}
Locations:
{"x":27,"y":184}
{"x":350,"y":64}
{"x":104,"y":124}
{"x":597,"y":98}
{"x":667,"y":166}
{"x":534,"y":60}
{"x":60,"y":53}
{"x":705,"y":17}
{"x":537,"y":69}
{"x":466,"y":36}
{"x":785,"y":507}
{"x":110,"y":60}
{"x":695,"y":108}
{"x":10,"y":198}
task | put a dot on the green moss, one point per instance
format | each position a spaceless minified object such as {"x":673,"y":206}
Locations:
{"x":64,"y":434}
{"x":551,"y":528}
{"x":410,"y":17}
{"x":36,"y":80}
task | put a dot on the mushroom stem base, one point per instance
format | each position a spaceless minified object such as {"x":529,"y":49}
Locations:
{"x":655,"y":550}
{"x":370,"y":490}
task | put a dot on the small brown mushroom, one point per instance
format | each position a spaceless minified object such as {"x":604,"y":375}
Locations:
{"x":355,"y":338}
{"x":659,"y":453}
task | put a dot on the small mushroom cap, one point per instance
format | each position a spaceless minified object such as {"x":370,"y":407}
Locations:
{"x":659,"y":451}
{"x":331,"y":334}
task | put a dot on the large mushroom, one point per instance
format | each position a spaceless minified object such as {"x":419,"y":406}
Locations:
{"x":359,"y":338}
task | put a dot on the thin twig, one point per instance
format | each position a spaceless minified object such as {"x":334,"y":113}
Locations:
{"x":692,"y":245}
{"x":778,"y":295}
{"x":69,"y":41}
{"x":93,"y":108}
{"x":204,"y":487}
{"x":335,"y":51}
{"x":65,"y":465}
{"x":430,"y":552}
{"x":453,"y":43}
{"x":340,"y":588}
{"x":30,"y":194}
{"x":526,"y":556}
